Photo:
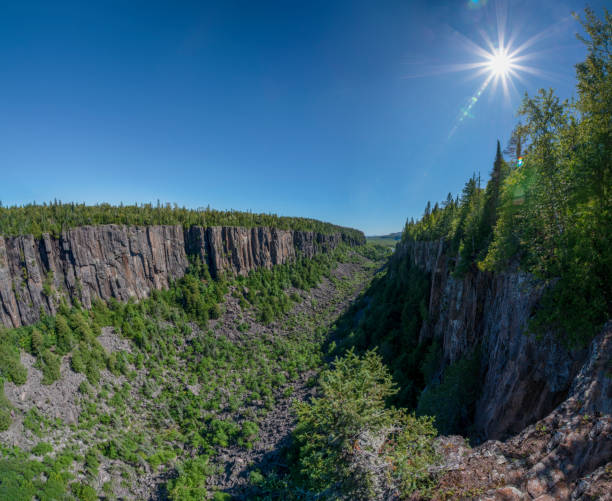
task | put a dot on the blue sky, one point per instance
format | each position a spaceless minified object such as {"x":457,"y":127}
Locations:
{"x":337,"y":110}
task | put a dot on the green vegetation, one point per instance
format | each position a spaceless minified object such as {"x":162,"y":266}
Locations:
{"x":10,"y":365}
{"x":452,"y":400}
{"x":350,"y":420}
{"x":390,"y":317}
{"x":24,"y":479}
{"x":190,"y":485}
{"x":385,"y":240}
{"x":195,"y":369}
{"x":55,"y":217}
{"x":550,"y":210}
{"x":182,"y":390}
{"x":349,"y":445}
{"x":5,"y":409}
{"x":265,"y":288}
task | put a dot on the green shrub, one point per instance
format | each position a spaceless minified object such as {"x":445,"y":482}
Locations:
{"x":221,"y":496}
{"x":5,"y":418}
{"x":42,"y":448}
{"x":37,"y":342}
{"x":92,"y":461}
{"x":256,"y":477}
{"x":248,"y":434}
{"x":452,"y":401}
{"x":50,"y":365}
{"x":190,"y":483}
{"x":64,"y":336}
{"x":10,"y":364}
{"x":35,"y":421}
{"x":349,"y":444}
{"x":84,"y":492}
{"x":22,"y":479}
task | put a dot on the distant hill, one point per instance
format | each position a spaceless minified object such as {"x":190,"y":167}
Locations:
{"x":390,"y":240}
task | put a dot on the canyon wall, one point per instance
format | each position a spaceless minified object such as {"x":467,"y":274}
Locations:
{"x":523,"y":378}
{"x":238,"y":250}
{"x":115,"y":261}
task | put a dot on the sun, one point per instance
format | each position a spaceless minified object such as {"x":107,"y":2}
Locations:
{"x":500,"y":63}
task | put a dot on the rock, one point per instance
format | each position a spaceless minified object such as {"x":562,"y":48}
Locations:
{"x":509,"y":493}
{"x":239,"y":250}
{"x":560,"y":491}
{"x":536,"y":486}
{"x":566,"y":455}
{"x":122,"y":262}
{"x":524,"y":379}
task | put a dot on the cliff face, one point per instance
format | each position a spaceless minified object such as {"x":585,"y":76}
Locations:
{"x":239,"y":250}
{"x":523,"y":379}
{"x":129,"y":261}
{"x":566,"y":455}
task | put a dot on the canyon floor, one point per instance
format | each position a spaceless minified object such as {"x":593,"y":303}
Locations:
{"x":117,"y":428}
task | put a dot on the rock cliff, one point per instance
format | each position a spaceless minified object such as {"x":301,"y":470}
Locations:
{"x":117,"y":261}
{"x":239,"y":250}
{"x":566,"y":455}
{"x":523,"y":379}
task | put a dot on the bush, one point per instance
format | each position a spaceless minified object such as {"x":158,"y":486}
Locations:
{"x":349,"y":444}
{"x":452,"y":401}
{"x":84,"y":492}
{"x":63,"y":332}
{"x":50,"y":365}
{"x":190,"y":484}
{"x":5,"y":419}
{"x":221,"y":496}
{"x":249,"y":433}
{"x":10,"y":364}
{"x":41,"y":448}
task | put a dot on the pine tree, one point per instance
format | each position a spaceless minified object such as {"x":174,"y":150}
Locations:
{"x":514,"y":150}
{"x":493,"y":191}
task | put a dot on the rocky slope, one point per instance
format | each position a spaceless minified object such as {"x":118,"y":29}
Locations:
{"x":233,"y":369}
{"x":566,"y":455}
{"x":114,"y":261}
{"x":523,"y":379}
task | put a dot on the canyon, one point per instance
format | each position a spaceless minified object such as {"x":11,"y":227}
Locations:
{"x":542,"y":419}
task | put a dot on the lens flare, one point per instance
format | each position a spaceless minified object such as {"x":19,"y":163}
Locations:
{"x":476,"y":4}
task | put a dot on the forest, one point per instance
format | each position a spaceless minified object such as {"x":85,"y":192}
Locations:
{"x":55,"y":217}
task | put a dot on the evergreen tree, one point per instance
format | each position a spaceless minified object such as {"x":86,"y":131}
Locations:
{"x":492,"y":196}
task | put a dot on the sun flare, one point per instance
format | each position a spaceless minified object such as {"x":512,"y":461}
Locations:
{"x":500,"y":64}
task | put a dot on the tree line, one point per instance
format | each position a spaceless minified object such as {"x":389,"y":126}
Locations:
{"x":56,"y":216}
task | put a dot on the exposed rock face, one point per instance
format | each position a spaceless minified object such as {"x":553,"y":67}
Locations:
{"x":129,"y":261}
{"x":239,"y":250}
{"x":523,"y":378}
{"x":566,"y":455}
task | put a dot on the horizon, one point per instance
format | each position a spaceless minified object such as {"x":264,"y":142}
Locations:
{"x":350,"y":113}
